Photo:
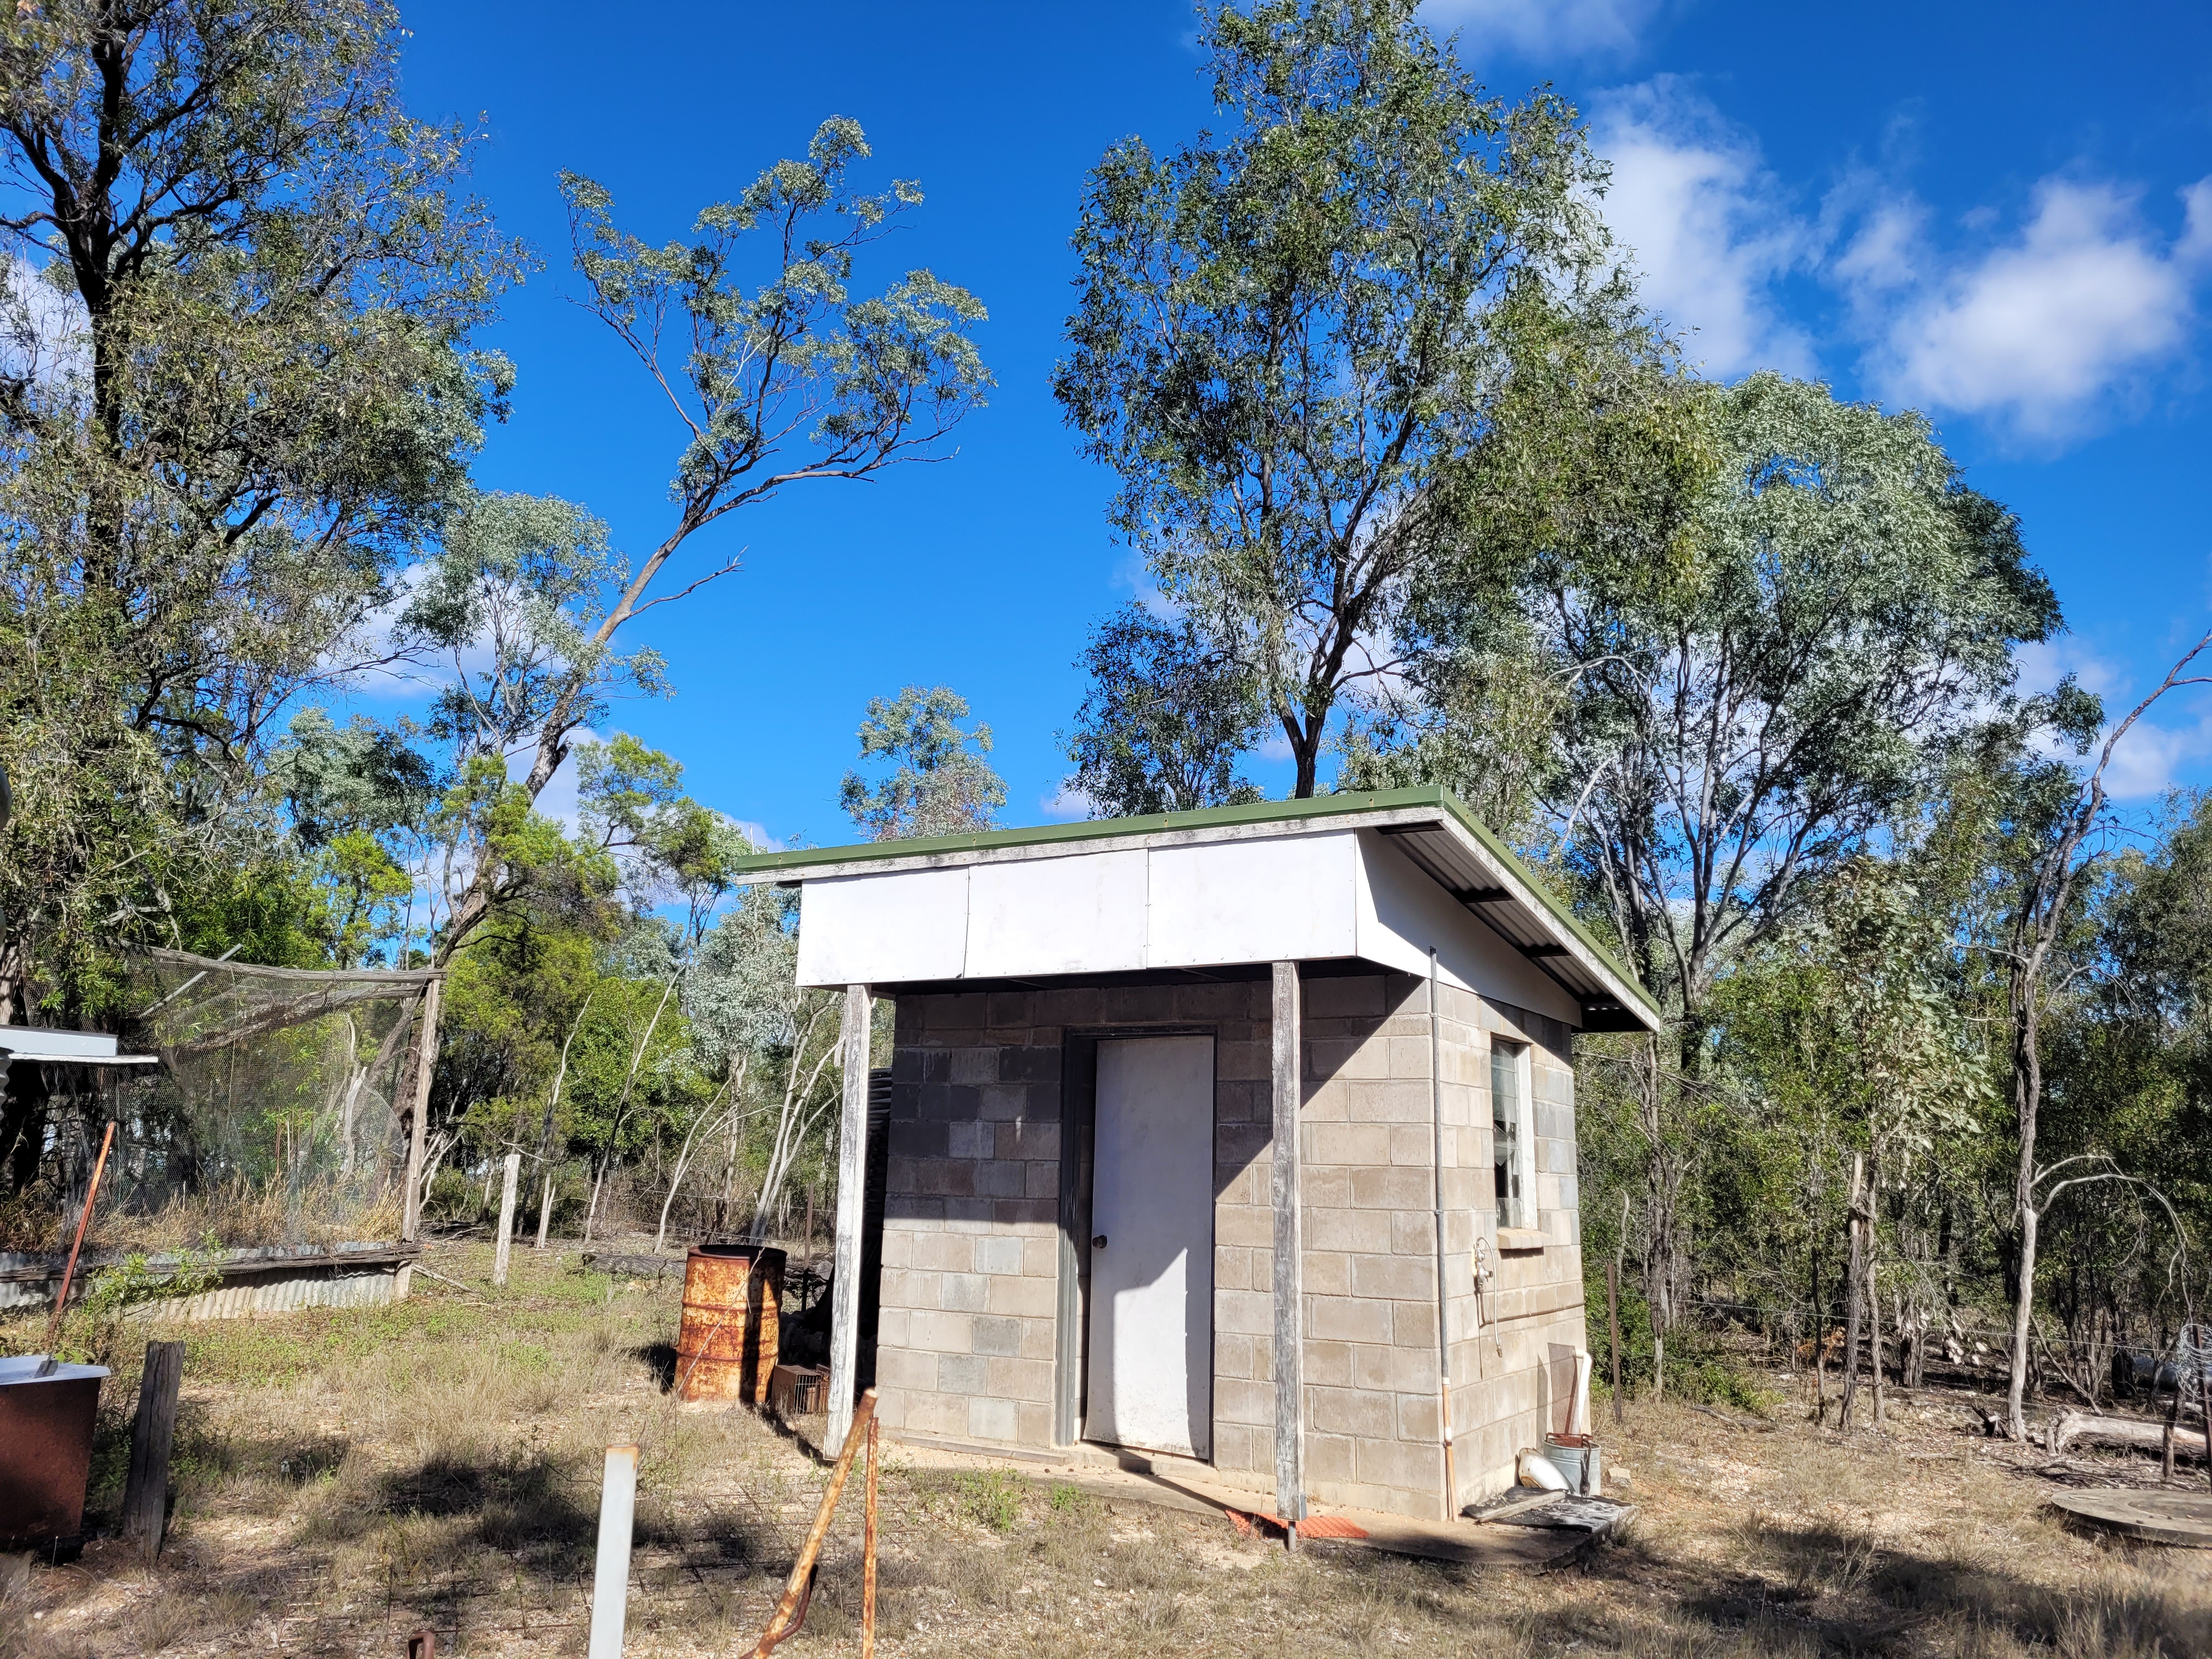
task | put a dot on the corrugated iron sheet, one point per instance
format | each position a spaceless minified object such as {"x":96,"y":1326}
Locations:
{"x":277,"y":1279}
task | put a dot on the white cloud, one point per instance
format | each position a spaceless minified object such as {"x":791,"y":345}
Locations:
{"x":2038,"y":331}
{"x":558,"y":800}
{"x":1539,"y":26}
{"x":1066,"y":804}
{"x":755,"y":833}
{"x":1706,"y":225}
{"x":2152,"y":758}
{"x":44,"y":334}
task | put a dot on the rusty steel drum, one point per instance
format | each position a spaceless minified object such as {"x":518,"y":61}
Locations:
{"x":727,"y":1348}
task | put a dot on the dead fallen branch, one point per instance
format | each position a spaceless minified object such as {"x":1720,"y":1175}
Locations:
{"x":2070,"y":1427}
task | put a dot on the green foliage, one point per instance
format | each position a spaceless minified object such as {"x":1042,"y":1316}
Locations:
{"x":511,"y":602}
{"x":939,"y":783}
{"x":1701,"y":1366}
{"x":796,"y":379}
{"x":1735,"y":732}
{"x":633,"y":805}
{"x":239,"y":391}
{"x":1164,"y":721}
{"x":799,"y":361}
{"x":992,"y":1498}
{"x":1291,"y":332}
{"x":133,"y":1281}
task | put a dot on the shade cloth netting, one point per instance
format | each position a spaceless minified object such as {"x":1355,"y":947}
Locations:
{"x":276,"y":1114}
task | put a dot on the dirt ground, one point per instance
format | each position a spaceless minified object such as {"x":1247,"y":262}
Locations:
{"x":346,"y":1477}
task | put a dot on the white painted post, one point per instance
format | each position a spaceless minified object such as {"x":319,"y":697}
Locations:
{"x":611,"y":1581}
{"x":852,"y":1193}
{"x":1290,"y":1312}
{"x":500,"y":1256}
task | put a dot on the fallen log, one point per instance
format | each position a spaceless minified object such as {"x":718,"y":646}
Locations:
{"x":2070,"y":1427}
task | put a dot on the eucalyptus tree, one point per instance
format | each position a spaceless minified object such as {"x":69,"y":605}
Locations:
{"x":1754,"y":664}
{"x":1290,"y":332}
{"x":236,"y":391}
{"x":1739,"y":724}
{"x":940,"y":782}
{"x":1166,"y":718}
{"x":2059,"y":833}
{"x":789,"y":381}
{"x":775,"y":1045}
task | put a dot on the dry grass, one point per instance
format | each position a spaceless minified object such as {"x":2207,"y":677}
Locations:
{"x":238,"y":1214}
{"x":347,"y":1476}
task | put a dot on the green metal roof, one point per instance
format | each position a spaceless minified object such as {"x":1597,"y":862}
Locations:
{"x":794,"y":864}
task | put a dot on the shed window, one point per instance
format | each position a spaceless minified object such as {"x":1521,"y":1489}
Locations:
{"x":1509,"y":1134}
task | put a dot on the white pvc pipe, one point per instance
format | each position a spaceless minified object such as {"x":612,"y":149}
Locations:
{"x":610,"y":1581}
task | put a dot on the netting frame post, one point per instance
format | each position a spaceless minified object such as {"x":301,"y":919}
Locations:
{"x":418,"y":1111}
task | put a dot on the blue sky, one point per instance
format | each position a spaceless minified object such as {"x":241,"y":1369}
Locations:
{"x":1984,"y":212}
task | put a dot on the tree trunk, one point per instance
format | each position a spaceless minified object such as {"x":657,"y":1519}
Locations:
{"x":1854,"y":1292}
{"x":2023,"y":1308}
{"x":1873,"y":1339}
{"x":2027,"y":1099}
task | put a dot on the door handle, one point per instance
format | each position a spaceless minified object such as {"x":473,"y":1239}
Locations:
{"x":1099,"y":1243}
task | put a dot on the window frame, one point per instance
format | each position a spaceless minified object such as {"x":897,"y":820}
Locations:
{"x":1516,"y":1208}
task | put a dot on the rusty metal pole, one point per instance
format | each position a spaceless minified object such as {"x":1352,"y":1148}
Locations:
{"x":868,"y":1549}
{"x":69,"y":1274}
{"x":799,"y":1589}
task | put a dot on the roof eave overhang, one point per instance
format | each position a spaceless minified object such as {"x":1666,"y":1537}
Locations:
{"x":1431,"y":826}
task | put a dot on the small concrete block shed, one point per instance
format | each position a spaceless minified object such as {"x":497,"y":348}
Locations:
{"x":1243,"y":1139}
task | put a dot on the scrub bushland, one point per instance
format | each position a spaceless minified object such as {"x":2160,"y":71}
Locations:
{"x":345,"y":1477}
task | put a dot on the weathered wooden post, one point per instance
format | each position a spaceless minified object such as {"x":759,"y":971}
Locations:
{"x":852,"y":1198}
{"x":1854,"y":1288}
{"x":425,"y":1062}
{"x":505,"y":1251}
{"x":1285,"y":1194}
{"x":146,"y":1492}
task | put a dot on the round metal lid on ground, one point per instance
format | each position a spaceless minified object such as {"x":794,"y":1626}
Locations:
{"x":2163,"y":1517}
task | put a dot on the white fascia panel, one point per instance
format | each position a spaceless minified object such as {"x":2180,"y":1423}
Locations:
{"x":1402,"y":912}
{"x":1084,"y":914}
{"x":1285,"y":899}
{"x":884,"y":930}
{"x":39,"y":1042}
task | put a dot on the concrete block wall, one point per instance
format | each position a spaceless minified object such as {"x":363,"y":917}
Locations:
{"x":1372,"y":1405}
{"x":966,"y":1339}
{"x":966,"y":1343}
{"x":1512,"y":1347}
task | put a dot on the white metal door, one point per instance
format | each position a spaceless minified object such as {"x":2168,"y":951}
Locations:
{"x":1151,"y":1247}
